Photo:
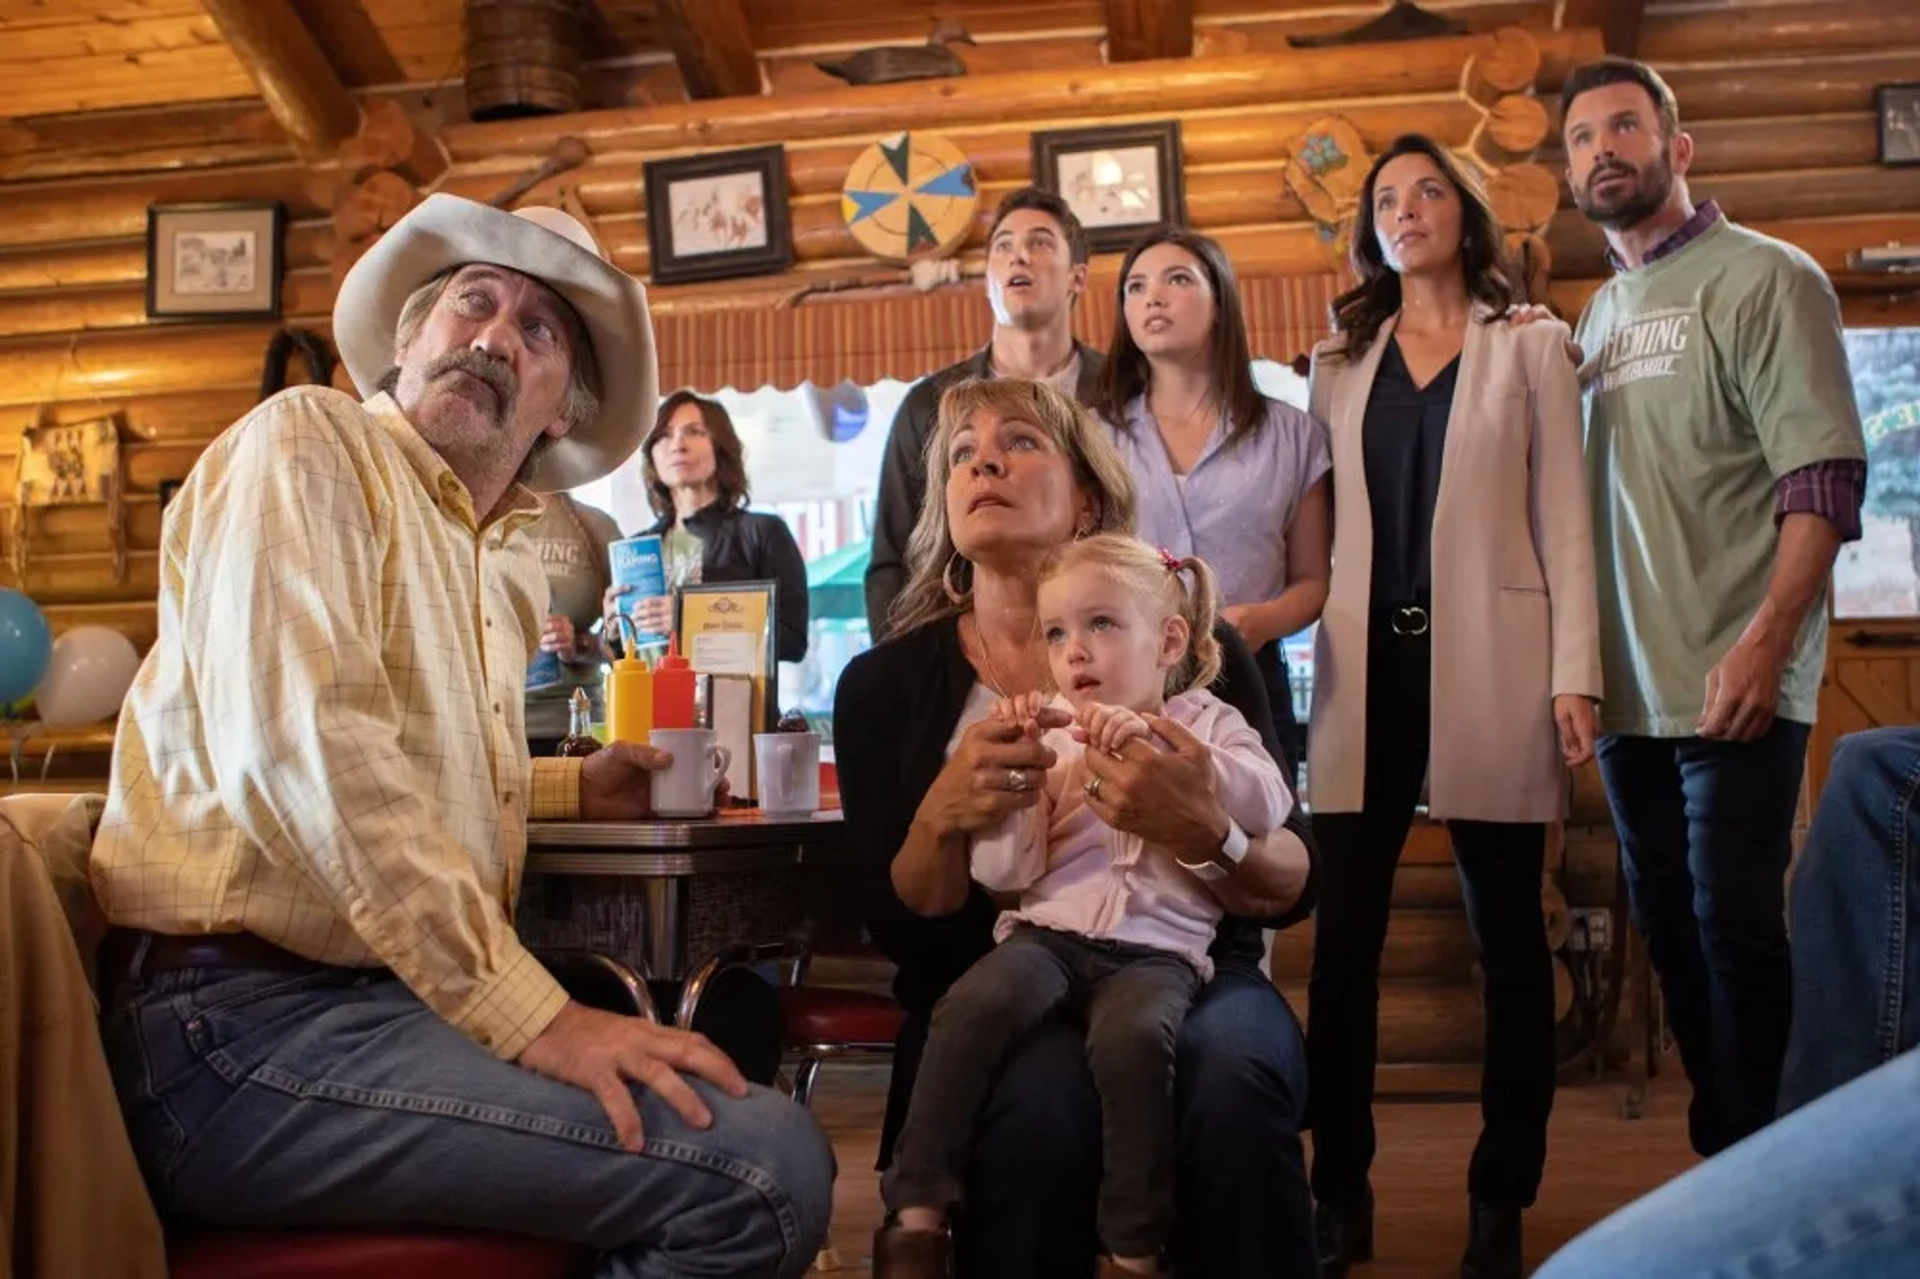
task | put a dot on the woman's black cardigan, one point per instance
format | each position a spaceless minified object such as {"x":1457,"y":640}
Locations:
{"x":894,"y":712}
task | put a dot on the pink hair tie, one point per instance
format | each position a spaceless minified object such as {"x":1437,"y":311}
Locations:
{"x":1166,"y":558}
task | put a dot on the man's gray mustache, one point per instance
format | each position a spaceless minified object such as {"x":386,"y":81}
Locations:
{"x":496,"y":373}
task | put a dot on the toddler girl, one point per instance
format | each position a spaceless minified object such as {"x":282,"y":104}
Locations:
{"x":1108,"y":928}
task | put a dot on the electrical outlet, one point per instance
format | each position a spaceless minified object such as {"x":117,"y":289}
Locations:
{"x":1592,"y":929}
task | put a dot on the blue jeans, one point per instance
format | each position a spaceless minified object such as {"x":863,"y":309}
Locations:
{"x":1830,"y":1192}
{"x":1241,"y":1208}
{"x":334,"y":1097}
{"x":1856,"y":888}
{"x":1706,"y":833}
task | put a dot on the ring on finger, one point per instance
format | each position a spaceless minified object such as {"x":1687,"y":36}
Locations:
{"x":1016,"y":779}
{"x":1092,"y":787}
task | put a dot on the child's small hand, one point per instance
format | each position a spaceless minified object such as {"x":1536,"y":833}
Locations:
{"x":1108,"y":728}
{"x":1029,"y":710}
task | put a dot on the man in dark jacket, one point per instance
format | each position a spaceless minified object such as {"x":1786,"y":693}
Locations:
{"x":1036,"y":269}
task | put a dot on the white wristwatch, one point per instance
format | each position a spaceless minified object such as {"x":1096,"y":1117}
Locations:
{"x":1233,"y":850}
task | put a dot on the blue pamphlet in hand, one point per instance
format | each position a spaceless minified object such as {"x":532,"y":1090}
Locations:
{"x":543,"y":672}
{"x":640,"y":563}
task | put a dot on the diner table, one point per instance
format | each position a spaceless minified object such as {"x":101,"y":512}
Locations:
{"x":665,"y":895}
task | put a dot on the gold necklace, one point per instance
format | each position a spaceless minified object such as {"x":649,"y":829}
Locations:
{"x":994,"y":681}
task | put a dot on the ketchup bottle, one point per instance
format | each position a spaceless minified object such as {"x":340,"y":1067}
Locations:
{"x":673,"y":689}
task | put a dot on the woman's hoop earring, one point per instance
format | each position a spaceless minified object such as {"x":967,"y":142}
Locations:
{"x":946,"y":579}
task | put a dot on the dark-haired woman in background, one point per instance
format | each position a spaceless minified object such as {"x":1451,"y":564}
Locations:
{"x":696,"y":476}
{"x":1462,"y":545}
{"x":1223,"y":472}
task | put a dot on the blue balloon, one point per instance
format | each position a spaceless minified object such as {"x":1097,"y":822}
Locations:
{"x":26,"y":645}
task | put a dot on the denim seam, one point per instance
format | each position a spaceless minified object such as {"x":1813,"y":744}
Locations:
{"x":147,"y":1093}
{"x":280,"y":1081}
{"x":1832,"y":1233}
{"x":1893,"y":965}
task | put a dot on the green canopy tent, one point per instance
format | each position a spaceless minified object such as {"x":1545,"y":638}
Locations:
{"x":836,"y":583}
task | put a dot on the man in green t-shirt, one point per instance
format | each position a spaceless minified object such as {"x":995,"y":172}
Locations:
{"x":1727,"y":463}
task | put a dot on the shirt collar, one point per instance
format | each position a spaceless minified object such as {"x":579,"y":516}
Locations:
{"x":1702,"y":221}
{"x":520,"y":507}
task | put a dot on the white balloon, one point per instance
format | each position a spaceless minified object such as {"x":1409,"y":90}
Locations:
{"x":88,"y":677}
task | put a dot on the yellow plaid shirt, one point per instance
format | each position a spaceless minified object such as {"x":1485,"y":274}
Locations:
{"x":326,"y":747}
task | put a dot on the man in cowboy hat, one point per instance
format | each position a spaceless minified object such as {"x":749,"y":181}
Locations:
{"x":319,"y":1011}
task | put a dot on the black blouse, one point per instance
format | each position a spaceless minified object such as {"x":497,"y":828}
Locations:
{"x":1402,"y":438}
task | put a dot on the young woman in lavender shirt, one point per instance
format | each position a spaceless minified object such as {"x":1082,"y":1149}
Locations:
{"x":1223,"y":472}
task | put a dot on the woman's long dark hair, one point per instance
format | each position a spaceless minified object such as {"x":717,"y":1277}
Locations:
{"x":729,"y":458}
{"x":1360,"y":311}
{"x":1127,"y":373}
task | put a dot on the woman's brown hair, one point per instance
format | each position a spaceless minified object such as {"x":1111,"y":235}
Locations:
{"x":1127,"y":373}
{"x":1360,"y":311}
{"x":729,"y":459}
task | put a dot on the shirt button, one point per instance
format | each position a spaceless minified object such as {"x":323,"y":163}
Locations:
{"x":507,"y":800}
{"x":497,"y":710}
{"x":489,"y":623}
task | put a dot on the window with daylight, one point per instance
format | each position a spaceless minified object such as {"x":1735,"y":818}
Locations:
{"x":1879,"y":576}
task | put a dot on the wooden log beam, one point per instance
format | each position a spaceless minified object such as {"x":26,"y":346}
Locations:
{"x":160,"y":358}
{"x":389,"y":139}
{"x":1780,"y":31}
{"x":176,"y":137}
{"x":606,"y":186}
{"x":1141,"y":30}
{"x":122,"y":261}
{"x":1618,"y":21}
{"x":300,"y":86}
{"x":116,"y":208}
{"x":1331,"y":77}
{"x":305,"y":296}
{"x":1514,"y":128}
{"x":1509,"y":64}
{"x":1841,"y":140}
{"x":712,"y":44}
{"x":194,"y":417}
{"x":1783,"y":85}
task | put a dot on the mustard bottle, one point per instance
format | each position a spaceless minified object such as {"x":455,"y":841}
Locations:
{"x":629,"y":692}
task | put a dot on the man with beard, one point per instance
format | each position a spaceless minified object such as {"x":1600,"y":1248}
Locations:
{"x":319,"y":1013}
{"x":1725,"y":453}
{"x":1036,"y":270}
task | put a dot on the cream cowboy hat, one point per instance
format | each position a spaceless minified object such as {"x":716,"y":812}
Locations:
{"x":549,"y":245}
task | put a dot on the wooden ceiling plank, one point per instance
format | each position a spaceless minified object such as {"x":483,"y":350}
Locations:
{"x":713,"y":46}
{"x":301,"y":87}
{"x":1142,"y":30}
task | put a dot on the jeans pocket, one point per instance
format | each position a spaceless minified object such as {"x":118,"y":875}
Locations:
{"x":234,"y":1023}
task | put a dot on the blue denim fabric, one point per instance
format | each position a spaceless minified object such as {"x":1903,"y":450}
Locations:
{"x":1856,"y":888}
{"x":1242,"y":1209}
{"x":336,"y":1098}
{"x":1830,"y":1192}
{"x":1706,"y":833}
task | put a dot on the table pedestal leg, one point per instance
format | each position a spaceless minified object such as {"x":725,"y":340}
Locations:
{"x":666,"y":904}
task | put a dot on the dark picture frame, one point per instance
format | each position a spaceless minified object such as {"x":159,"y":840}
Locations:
{"x":1897,"y":117}
{"x":1065,"y":160}
{"x":698,"y":204}
{"x":215,"y":260}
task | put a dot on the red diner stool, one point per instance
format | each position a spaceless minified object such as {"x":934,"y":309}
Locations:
{"x":331,"y":1253}
{"x":370,"y":1254}
{"x":818,"y":1023}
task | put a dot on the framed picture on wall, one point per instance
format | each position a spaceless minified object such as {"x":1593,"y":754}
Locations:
{"x":214,"y":261}
{"x":1898,"y":106}
{"x":712,"y":217}
{"x":1118,"y":181}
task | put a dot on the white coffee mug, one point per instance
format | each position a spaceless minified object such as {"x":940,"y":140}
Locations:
{"x":788,"y":772}
{"x":685,"y":787}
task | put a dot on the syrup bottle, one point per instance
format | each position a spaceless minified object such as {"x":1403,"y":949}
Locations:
{"x":579,"y":741}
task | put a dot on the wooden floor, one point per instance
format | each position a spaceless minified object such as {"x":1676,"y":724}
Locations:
{"x":1597,"y":1162}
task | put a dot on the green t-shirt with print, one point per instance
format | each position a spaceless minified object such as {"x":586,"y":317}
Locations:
{"x":1712,"y":371}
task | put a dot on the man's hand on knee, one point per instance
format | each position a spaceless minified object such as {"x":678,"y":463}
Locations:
{"x":601,"y":1052}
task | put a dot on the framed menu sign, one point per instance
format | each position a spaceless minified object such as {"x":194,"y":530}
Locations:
{"x":726,"y":628}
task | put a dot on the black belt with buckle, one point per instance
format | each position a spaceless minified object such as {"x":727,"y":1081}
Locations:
{"x":1409,"y":620}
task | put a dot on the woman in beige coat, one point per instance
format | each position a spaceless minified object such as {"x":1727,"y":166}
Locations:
{"x":1457,"y":657}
